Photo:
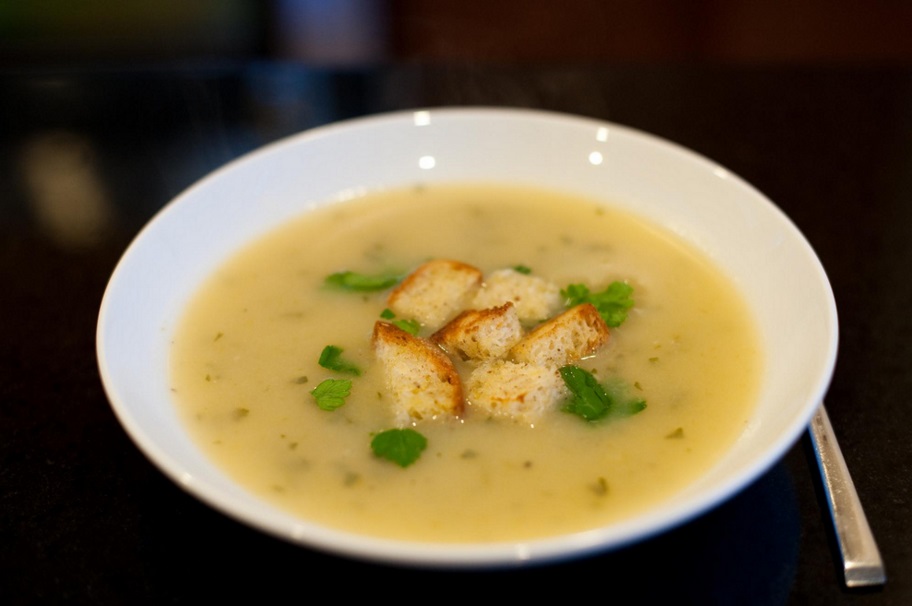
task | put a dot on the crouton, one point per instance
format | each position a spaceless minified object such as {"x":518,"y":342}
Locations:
{"x":435,"y":292}
{"x":419,"y":376}
{"x":534,"y":297}
{"x":516,"y":390}
{"x":480,"y":334}
{"x":564,"y":339}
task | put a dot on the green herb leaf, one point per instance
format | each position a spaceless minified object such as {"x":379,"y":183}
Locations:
{"x":331,"y":358}
{"x":401,"y":446}
{"x":331,"y":393}
{"x":412,"y":327}
{"x":612,"y":303}
{"x":591,"y":401}
{"x":523,"y":269}
{"x":350,"y":280}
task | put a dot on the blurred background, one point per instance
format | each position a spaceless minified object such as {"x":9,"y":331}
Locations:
{"x":92,"y":109}
{"x":68,"y":32}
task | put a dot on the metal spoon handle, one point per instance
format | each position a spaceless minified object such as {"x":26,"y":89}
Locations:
{"x":862,"y":564}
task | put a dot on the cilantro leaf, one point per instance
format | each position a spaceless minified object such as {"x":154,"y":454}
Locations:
{"x":612,"y":303}
{"x":331,"y":358}
{"x":350,"y":280}
{"x":401,"y":446}
{"x":591,"y":401}
{"x":523,"y":269}
{"x":331,"y":393}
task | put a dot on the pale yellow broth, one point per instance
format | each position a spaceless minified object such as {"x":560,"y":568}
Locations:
{"x":245,"y":361}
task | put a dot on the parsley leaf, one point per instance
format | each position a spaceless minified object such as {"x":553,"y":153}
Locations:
{"x":612,"y":303}
{"x":331,"y":393}
{"x":401,"y":446}
{"x":591,"y":401}
{"x":331,"y":358}
{"x":350,"y":280}
{"x":413,"y":327}
{"x":523,"y":269}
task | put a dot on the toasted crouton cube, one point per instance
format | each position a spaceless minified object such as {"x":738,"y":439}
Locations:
{"x":564,"y":339}
{"x":435,"y":292}
{"x":516,"y":390}
{"x":421,"y":378}
{"x":534,"y":297}
{"x":480,"y":334}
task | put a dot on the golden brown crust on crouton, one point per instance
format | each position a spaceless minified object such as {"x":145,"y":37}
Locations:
{"x":435,"y":291}
{"x":565,"y":338}
{"x":480,"y":334}
{"x":420,"y":377}
{"x":517,"y":390}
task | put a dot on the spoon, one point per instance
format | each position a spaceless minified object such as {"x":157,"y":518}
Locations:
{"x":861,"y":561}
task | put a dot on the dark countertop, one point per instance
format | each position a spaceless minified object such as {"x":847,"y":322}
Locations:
{"x":88,"y":156}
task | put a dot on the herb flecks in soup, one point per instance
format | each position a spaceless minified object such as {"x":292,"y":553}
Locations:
{"x":266,"y":336}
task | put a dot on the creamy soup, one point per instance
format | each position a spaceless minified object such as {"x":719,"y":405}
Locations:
{"x":245,"y":361}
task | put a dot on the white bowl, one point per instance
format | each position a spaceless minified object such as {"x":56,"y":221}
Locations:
{"x":746,"y":235}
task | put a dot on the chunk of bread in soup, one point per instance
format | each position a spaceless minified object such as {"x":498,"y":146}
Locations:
{"x":481,"y":334}
{"x":420,"y":378}
{"x":436,"y":291}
